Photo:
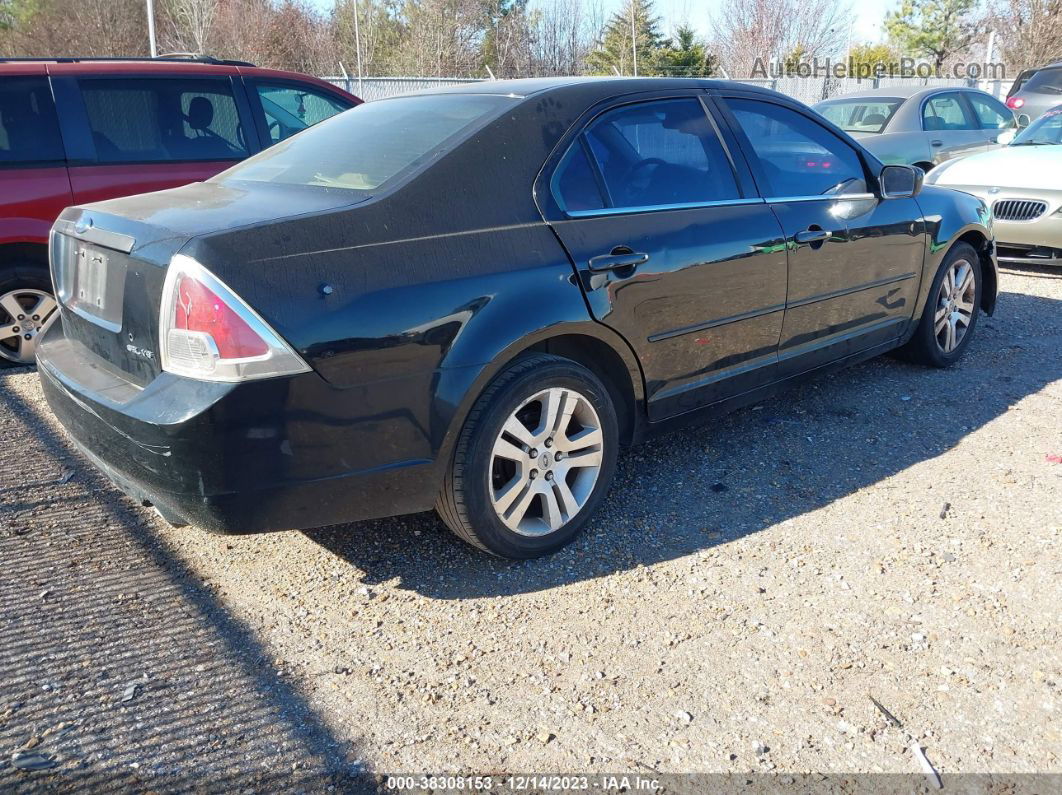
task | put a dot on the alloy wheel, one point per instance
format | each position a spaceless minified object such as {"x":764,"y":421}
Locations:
{"x":546,"y":461}
{"x":955,"y":305}
{"x":23,"y":313}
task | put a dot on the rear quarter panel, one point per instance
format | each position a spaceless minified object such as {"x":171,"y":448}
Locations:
{"x":415,"y":327}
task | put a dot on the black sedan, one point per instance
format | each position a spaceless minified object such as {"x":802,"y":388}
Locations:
{"x":471,"y":299}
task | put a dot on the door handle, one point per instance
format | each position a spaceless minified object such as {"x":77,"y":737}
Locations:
{"x":936,"y":143}
{"x":621,"y":257}
{"x":812,"y":236}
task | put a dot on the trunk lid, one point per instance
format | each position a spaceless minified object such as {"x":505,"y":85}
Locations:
{"x":109,"y":260}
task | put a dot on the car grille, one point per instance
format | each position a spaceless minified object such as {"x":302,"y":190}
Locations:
{"x":1018,"y":209}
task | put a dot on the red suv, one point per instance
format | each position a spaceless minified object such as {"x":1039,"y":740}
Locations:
{"x":82,"y":130}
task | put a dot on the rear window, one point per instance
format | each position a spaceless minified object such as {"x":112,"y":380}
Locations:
{"x":29,"y":130}
{"x":861,"y":115}
{"x":372,"y":144}
{"x":150,"y":120}
{"x":1046,"y":81}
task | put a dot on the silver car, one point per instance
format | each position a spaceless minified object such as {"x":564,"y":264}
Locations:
{"x":1022,"y":183}
{"x":922,"y":126}
{"x":1036,"y":91}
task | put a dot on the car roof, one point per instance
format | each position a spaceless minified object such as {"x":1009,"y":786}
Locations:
{"x":907,"y":92}
{"x":529,"y":86}
{"x":192,"y":66}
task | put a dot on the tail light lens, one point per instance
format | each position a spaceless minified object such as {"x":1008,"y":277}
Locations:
{"x":1015,"y":102}
{"x":207,"y":332}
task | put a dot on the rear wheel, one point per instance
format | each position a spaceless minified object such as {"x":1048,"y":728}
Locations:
{"x":26,"y":304}
{"x":534,"y":459}
{"x":951,"y":311}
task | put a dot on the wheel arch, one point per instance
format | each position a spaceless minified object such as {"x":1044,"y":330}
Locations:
{"x":990,"y":278}
{"x":596,"y":347}
{"x":951,"y":217}
{"x":14,"y":254}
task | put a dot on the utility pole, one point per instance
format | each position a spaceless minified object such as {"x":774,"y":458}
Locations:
{"x":634,"y":39}
{"x":357,"y":46}
{"x":151,"y":28}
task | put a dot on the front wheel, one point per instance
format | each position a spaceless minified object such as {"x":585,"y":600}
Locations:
{"x":950,"y":315}
{"x":534,"y":459}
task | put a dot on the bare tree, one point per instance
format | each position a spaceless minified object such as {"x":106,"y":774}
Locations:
{"x":1029,"y":31}
{"x":91,"y":27}
{"x":562,"y":34}
{"x":188,"y":25}
{"x":745,"y":31}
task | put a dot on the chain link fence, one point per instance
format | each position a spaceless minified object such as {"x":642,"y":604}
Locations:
{"x":370,"y":88}
{"x":806,"y":89}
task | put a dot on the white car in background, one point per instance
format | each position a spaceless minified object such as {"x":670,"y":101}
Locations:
{"x":1022,"y":183}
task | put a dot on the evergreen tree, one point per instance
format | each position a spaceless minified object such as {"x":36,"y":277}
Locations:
{"x":686,"y":57}
{"x":616,"y":52}
{"x":937,"y":29}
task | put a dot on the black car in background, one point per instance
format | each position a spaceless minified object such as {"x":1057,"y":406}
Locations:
{"x":471,"y":299}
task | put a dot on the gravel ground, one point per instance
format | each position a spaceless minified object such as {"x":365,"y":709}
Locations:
{"x":890,"y":531}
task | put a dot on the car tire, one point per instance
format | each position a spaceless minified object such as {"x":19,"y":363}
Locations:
{"x":949,"y":305}
{"x":20,"y":286}
{"x":512,"y":488}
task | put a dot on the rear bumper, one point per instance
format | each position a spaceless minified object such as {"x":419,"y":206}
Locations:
{"x":235,"y":458}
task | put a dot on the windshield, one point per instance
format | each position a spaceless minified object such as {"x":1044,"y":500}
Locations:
{"x":870,"y":115}
{"x":1045,"y":131}
{"x":364,"y":148}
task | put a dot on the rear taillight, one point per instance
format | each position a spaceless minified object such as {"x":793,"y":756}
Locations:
{"x":207,"y":332}
{"x":1015,"y":102}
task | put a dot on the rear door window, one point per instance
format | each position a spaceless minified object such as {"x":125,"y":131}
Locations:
{"x":947,"y":112}
{"x":147,"y":120}
{"x":652,"y":154}
{"x":798,"y":156}
{"x":290,"y":108}
{"x":29,"y":129}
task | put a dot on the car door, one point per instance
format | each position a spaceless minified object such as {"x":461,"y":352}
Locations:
{"x":34,"y":186}
{"x":998,"y":125}
{"x":854,"y":257}
{"x":950,"y":126}
{"x":672,"y":247}
{"x":145,"y":134}
{"x":285,"y":107}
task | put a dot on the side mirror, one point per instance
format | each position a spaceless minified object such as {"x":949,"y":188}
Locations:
{"x":901,"y":182}
{"x":1006,"y":137}
{"x":1024,"y":120}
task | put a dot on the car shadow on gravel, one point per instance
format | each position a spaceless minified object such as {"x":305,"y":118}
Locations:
{"x":120,"y":669}
{"x":710,"y":484}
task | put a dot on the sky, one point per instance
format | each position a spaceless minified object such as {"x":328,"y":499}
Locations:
{"x":867,"y":15}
